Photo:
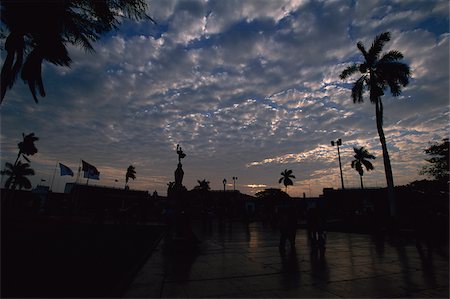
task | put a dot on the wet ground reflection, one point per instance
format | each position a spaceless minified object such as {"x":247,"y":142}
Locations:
{"x":244,"y":261}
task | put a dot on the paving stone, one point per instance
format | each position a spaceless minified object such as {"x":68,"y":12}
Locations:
{"x":210,"y":288}
{"x":431,"y":293}
{"x":173,"y":290}
{"x":245,"y":262}
{"x":377,"y":287}
{"x":304,"y":292}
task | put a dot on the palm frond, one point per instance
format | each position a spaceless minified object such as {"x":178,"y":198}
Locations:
{"x":8,"y":182}
{"x":391,"y":56}
{"x":370,"y":156}
{"x":358,"y":89}
{"x":394,"y":72}
{"x":24,"y":183}
{"x":28,"y":171}
{"x":32,"y":73}
{"x":367,"y":164}
{"x":56,"y":53}
{"x":395,"y":88}
{"x":348,"y":71}
{"x":361,"y":48}
{"x":378,"y":44}
{"x":14,"y":47}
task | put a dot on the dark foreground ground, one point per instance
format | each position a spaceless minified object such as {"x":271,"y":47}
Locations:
{"x":244,"y":262}
{"x":54,"y":259}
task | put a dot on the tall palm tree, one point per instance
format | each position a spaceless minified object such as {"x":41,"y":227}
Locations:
{"x":377,"y":74}
{"x":17,"y":175}
{"x":203,"y":185}
{"x":361,"y":156}
{"x":40,"y":30}
{"x":286,"y":177}
{"x":27,"y":147}
{"x":131,"y":174}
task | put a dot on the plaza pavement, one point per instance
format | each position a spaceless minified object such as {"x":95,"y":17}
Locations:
{"x":244,"y":262}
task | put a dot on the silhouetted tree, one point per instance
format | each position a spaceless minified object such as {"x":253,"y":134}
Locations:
{"x":40,"y":30}
{"x":203,"y":185}
{"x":131,"y":174}
{"x":170,"y":186}
{"x":439,"y":168}
{"x":361,"y":154}
{"x":272,"y":193}
{"x":379,"y":73}
{"x":17,"y":175}
{"x":27,"y":147}
{"x":286,"y":176}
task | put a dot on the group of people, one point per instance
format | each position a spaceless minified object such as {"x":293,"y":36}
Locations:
{"x":316,"y":228}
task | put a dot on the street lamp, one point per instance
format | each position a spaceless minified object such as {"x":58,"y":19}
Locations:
{"x":338,"y":143}
{"x":234,"y":183}
{"x":224,"y":183}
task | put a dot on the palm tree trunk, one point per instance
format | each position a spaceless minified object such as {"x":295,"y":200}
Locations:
{"x":360,"y":178}
{"x":386,"y":160}
{"x":17,"y":159}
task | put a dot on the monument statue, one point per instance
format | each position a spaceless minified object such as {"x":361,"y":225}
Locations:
{"x":179,"y":173}
{"x":181,"y":236}
{"x":180,"y":153}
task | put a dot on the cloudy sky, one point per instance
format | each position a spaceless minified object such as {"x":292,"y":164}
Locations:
{"x":247,"y":88}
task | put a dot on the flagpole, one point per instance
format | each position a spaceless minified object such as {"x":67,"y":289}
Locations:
{"x":54,"y":172}
{"x":79,"y":171}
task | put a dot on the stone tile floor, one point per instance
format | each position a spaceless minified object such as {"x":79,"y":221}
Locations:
{"x":244,"y":261}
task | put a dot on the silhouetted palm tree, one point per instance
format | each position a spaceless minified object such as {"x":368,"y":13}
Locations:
{"x":40,"y":31}
{"x":203,"y":185}
{"x":131,"y":174}
{"x":17,"y":175}
{"x":361,"y":154}
{"x":27,"y":147}
{"x":286,"y":176}
{"x":379,"y":73}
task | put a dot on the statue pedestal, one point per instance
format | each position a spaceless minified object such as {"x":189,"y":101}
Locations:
{"x":181,"y":237}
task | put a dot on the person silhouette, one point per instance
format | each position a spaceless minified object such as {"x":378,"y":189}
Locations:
{"x":316,"y":230}
{"x":288,"y":228}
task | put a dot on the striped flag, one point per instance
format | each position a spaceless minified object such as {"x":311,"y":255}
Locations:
{"x":65,"y":170}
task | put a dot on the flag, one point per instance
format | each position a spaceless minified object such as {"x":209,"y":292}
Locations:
{"x":65,"y":170}
{"x":90,"y":171}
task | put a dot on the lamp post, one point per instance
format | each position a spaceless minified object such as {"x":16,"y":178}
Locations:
{"x":234,"y":183}
{"x":338,"y":143}
{"x":224,"y":183}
